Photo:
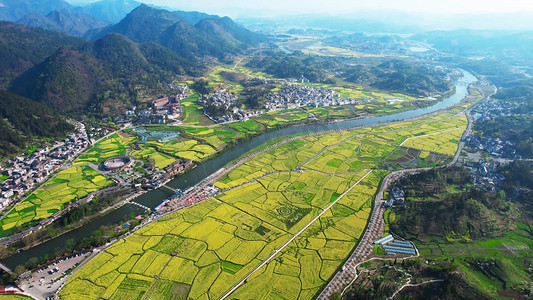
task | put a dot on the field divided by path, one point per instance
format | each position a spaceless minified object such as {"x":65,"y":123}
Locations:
{"x":206,"y":249}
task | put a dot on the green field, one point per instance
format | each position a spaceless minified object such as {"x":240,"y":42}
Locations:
{"x":67,"y":186}
{"x":113,"y":146}
{"x":193,"y":113}
{"x":218,"y":241}
{"x":501,"y":260}
{"x":444,"y":141}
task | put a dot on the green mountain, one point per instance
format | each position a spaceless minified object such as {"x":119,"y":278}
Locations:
{"x":13,"y":10}
{"x":100,"y":76}
{"x":215,"y":37}
{"x":111,"y":11}
{"x":22,"y":47}
{"x":75,"y":24}
{"x":23,"y":120}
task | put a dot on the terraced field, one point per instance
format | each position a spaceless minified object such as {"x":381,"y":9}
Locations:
{"x":202,"y":251}
{"x":68,"y":185}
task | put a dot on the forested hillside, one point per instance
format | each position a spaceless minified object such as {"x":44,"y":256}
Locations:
{"x":22,"y":47}
{"x":100,"y":76}
{"x":23,"y":120}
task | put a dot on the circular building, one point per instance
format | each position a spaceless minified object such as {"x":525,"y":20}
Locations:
{"x":116,"y":163}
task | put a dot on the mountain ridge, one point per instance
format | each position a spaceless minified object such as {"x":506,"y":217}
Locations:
{"x":99,"y":76}
{"x":209,"y":37}
{"x":75,"y":24}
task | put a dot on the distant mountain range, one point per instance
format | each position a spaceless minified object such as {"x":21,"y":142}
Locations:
{"x":100,"y":76}
{"x":14,"y":10}
{"x":191,"y":35}
{"x":61,"y":16}
{"x":110,"y":11}
{"x":75,"y":24}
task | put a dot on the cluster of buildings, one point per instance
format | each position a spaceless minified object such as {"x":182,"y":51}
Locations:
{"x":396,"y":197}
{"x":160,"y":110}
{"x":486,"y":175}
{"x":295,"y":96}
{"x":226,"y":103}
{"x":25,"y":173}
{"x":220,"y":98}
{"x":490,"y":110}
{"x":494,"y":146}
{"x":236,"y":114}
{"x":394,"y":247}
{"x":178,"y":167}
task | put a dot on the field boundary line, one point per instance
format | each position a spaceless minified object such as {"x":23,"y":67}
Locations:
{"x":277,"y":251}
{"x":419,"y":136}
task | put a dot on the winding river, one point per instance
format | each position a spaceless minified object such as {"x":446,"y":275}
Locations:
{"x":155,"y":197}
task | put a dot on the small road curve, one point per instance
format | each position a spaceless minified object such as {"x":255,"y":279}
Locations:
{"x":375,"y":228}
{"x":266,"y":261}
{"x":408,"y":284}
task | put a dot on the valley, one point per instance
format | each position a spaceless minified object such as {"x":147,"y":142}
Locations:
{"x":154,"y":153}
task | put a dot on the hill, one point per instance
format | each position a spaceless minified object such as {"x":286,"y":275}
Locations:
{"x":415,"y":79}
{"x":14,"y":10}
{"x":75,"y":24}
{"x":22,"y":47}
{"x":23,"y":120}
{"x":443,"y":205}
{"x":215,"y":37}
{"x":100,"y":76}
{"x":111,"y":11}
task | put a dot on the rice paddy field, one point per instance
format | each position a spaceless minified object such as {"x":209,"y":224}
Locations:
{"x":67,"y":186}
{"x":202,"y":251}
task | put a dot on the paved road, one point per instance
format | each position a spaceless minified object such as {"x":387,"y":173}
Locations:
{"x":41,"y":284}
{"x":376,"y":224}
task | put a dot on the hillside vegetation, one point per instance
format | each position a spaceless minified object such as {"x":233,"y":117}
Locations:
{"x":101,"y":76}
{"x":22,"y":47}
{"x":443,"y":205}
{"x":215,"y":37}
{"x":23,"y":120}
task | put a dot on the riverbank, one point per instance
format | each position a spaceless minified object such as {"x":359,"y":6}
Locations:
{"x":154,"y":198}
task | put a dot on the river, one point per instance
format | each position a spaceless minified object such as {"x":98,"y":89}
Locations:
{"x":155,"y":197}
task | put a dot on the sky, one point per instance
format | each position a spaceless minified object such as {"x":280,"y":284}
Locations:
{"x":266,"y":8}
{"x":421,"y":14}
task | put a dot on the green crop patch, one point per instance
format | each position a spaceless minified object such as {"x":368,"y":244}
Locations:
{"x":216,"y":242}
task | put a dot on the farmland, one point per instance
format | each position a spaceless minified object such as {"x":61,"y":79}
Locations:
{"x":113,"y":146}
{"x":265,"y":202}
{"x":193,"y":113}
{"x":67,"y":186}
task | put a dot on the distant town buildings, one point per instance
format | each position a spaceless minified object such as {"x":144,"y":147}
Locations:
{"x":295,"y":96}
{"x":25,"y":173}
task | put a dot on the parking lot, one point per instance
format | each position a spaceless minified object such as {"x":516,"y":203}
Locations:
{"x":44,"y":282}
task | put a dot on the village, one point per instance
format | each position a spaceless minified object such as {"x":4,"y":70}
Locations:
{"x":222,"y":106}
{"x":25,"y":173}
{"x":494,"y":146}
{"x":161,"y":111}
{"x":295,"y":96}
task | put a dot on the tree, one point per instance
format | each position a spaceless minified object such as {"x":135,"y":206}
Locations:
{"x":201,"y":86}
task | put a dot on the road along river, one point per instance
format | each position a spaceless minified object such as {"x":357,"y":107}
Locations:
{"x":155,"y":197}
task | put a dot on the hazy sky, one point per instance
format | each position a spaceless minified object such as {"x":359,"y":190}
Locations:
{"x":239,"y":8}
